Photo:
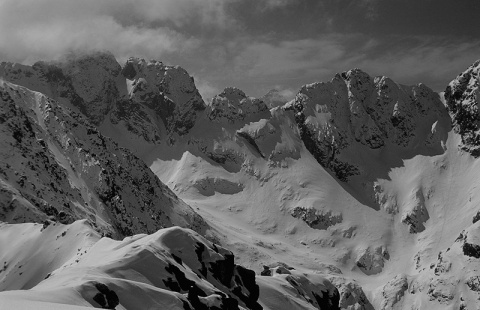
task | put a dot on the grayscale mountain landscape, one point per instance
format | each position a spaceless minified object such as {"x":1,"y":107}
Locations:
{"x":129,"y":182}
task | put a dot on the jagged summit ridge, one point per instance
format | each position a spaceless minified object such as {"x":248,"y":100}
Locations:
{"x":168,"y":90}
{"x":354,"y":108}
{"x":274,"y":98}
{"x":232,"y":105}
{"x":158,"y":102}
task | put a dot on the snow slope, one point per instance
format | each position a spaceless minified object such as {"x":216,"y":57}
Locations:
{"x":63,"y":266}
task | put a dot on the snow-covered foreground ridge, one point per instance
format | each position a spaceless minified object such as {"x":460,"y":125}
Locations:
{"x":51,"y":267}
{"x":360,"y":193}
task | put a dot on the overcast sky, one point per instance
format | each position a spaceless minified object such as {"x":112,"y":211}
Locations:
{"x":255,"y":45}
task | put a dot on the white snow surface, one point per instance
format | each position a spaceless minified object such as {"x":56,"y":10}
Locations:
{"x":60,"y":266}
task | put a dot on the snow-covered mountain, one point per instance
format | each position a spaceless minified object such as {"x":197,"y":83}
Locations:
{"x":360,"y":192}
{"x":63,"y":266}
{"x":357,"y":113}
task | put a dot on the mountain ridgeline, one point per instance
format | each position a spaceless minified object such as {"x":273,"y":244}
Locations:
{"x":160,"y":103}
{"x":359,"y":193}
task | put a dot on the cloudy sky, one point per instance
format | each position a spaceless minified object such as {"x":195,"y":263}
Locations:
{"x":255,"y":45}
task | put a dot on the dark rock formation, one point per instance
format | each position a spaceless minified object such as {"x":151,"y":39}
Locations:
{"x":232,"y":106}
{"x":105,"y":297}
{"x":315,"y":218}
{"x":462,"y":98}
{"x":161,"y":101}
{"x":416,"y":214}
{"x":169,"y":91}
{"x":371,"y":260}
{"x":274,"y":98}
{"x":355,"y":109}
{"x":472,"y":250}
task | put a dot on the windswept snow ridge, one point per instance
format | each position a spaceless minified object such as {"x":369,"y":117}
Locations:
{"x":174,"y":268}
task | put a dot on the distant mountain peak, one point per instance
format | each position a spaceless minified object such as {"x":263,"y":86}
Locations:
{"x":274,"y":98}
{"x":233,"y":93}
{"x":233,"y":105}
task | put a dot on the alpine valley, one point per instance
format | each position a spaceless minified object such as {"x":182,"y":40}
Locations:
{"x":121,"y":188}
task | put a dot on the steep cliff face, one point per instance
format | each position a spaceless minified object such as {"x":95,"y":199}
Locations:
{"x":355,"y":109}
{"x":462,"y":97}
{"x":56,"y":166}
{"x":167,"y":90}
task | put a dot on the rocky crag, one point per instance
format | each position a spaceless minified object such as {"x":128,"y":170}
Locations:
{"x":462,"y":98}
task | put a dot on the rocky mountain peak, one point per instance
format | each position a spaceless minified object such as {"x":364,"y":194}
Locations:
{"x":233,"y":94}
{"x":173,"y":81}
{"x":168,"y":90}
{"x":462,"y":97}
{"x":355,"y":73}
{"x":359,"y":83}
{"x":233,"y":105}
{"x":95,"y":85}
{"x":354,"y":108}
{"x":274,"y":98}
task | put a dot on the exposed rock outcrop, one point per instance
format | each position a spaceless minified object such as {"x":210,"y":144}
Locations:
{"x":352,"y":295}
{"x":232,"y":106}
{"x":462,"y":97}
{"x":316,"y":219}
{"x":316,"y":290}
{"x":393,"y":292}
{"x":354,"y":108}
{"x":274,"y":98}
{"x":156,"y":102}
{"x":371,"y":260}
{"x":415,"y":214}
{"x":168,"y":90}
